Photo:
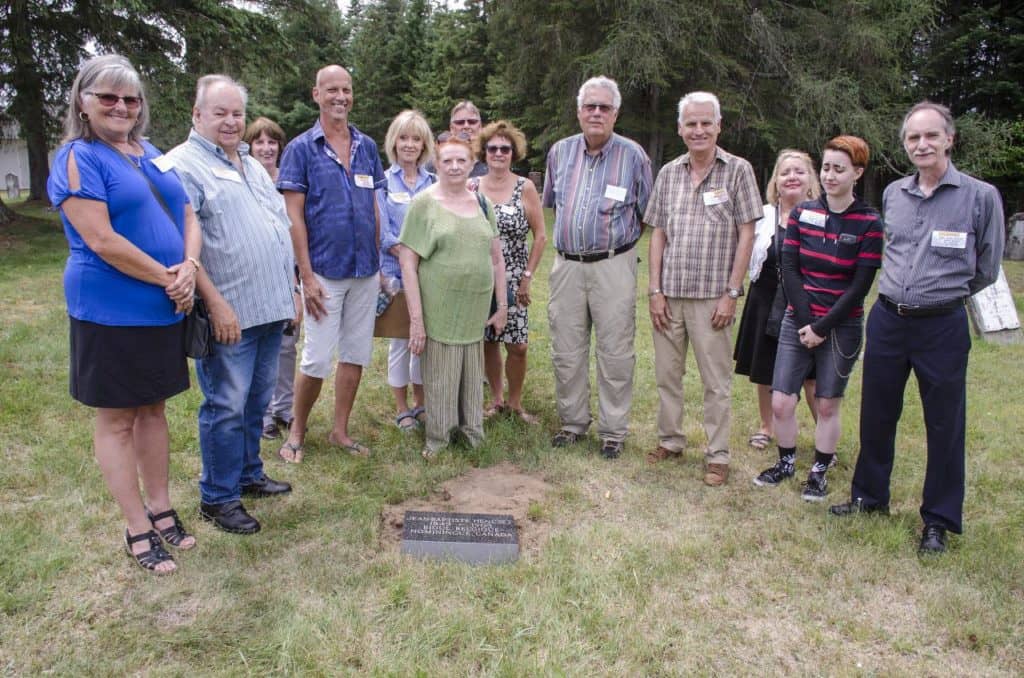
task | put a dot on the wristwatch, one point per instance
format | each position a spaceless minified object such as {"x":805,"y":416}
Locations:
{"x":734,"y":292}
{"x":656,"y":290}
{"x":527,"y":274}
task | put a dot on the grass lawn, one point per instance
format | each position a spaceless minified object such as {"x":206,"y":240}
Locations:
{"x":645,"y":570}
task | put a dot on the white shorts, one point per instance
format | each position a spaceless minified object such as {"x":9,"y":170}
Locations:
{"x":403,"y":366}
{"x":346,"y":329}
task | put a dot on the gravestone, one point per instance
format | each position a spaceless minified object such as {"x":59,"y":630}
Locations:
{"x":13,"y":187}
{"x":1015,"y":238}
{"x":474,"y":538}
{"x":994,"y":314}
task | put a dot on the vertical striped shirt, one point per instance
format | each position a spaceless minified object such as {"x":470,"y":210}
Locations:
{"x":247,"y":248}
{"x":599,"y":199}
{"x":943,"y":247}
{"x":702,"y":223}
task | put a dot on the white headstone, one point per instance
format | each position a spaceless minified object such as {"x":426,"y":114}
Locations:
{"x":993,"y":310}
{"x":13,"y":188}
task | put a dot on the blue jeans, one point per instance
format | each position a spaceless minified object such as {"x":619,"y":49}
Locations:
{"x":237,"y":382}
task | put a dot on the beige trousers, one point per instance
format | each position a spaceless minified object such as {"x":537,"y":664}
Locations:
{"x":691,"y":321}
{"x":453,"y":391}
{"x":599,"y":296}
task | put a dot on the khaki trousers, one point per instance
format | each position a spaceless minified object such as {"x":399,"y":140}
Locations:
{"x":599,"y":295}
{"x":691,"y":321}
{"x":453,"y":391}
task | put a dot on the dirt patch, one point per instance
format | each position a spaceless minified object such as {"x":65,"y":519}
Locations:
{"x":500,"y":489}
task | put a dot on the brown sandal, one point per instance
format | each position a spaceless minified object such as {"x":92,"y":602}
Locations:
{"x":295,"y":453}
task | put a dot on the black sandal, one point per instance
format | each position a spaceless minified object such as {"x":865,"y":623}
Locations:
{"x":148,"y":560}
{"x":173,"y":535}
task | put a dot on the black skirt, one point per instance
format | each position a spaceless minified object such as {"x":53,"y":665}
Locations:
{"x":125,"y":367}
{"x":755,"y":349}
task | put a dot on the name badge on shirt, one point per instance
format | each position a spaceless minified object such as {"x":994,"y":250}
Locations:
{"x":715,"y":196}
{"x":616,"y":193}
{"x":163,"y":163}
{"x":813,"y":218}
{"x":400,"y":198}
{"x":225,"y":173}
{"x":954,"y":239}
{"x":364,"y":181}
{"x":510,"y":210}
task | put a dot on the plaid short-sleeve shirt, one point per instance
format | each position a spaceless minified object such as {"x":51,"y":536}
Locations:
{"x":702,"y":223}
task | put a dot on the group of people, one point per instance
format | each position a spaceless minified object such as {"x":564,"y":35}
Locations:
{"x":274,"y":237}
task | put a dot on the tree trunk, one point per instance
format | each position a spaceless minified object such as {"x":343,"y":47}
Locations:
{"x":655,"y":144}
{"x":29,"y":101}
{"x":6,"y":214}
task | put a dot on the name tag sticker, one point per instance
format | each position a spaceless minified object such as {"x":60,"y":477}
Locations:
{"x":364,"y":181}
{"x":813,"y":218}
{"x":616,"y":193}
{"x":954,"y":239}
{"x":847,"y":239}
{"x":400,"y":198}
{"x":715,"y":196}
{"x":225,"y":173}
{"x":509,"y":210}
{"x":163,"y":163}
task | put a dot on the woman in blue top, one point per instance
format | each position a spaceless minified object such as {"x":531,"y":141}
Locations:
{"x":408,"y":144}
{"x":134,"y":246}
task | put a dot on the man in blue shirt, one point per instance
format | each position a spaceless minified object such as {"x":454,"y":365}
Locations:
{"x":328,"y":175}
{"x":246,"y":283}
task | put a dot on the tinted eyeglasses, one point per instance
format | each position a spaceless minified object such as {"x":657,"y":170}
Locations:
{"x":466,"y":121}
{"x":110,"y":100}
{"x":604,"y":108}
{"x":495,"y":149}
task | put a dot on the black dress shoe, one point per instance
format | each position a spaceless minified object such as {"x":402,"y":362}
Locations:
{"x":857,"y":506}
{"x":933,"y":540}
{"x":230,"y":517}
{"x":265,"y":487}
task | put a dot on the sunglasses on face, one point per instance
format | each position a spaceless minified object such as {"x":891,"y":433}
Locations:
{"x":495,"y":149}
{"x":604,"y":108}
{"x":466,"y":121}
{"x":110,"y":100}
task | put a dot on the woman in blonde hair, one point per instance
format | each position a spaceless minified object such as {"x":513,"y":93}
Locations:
{"x":793,"y":181}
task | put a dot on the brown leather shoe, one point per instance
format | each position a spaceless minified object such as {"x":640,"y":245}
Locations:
{"x":661,"y":454}
{"x":715,"y":475}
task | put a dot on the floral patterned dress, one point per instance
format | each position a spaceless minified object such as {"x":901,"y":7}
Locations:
{"x":513,"y":228}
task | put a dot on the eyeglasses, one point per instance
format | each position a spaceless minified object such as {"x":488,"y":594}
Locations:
{"x":466,"y":121}
{"x":110,"y":100}
{"x":604,"y":108}
{"x":495,"y":149}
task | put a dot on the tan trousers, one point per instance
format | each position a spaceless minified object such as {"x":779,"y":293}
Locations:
{"x":691,"y":321}
{"x":599,"y":295}
{"x":453,"y":391}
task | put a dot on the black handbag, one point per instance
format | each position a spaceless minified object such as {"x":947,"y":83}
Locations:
{"x":198,"y":331}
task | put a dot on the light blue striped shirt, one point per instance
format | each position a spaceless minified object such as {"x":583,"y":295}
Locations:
{"x":247,"y":247}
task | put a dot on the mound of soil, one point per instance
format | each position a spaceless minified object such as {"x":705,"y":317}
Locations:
{"x":502,"y":489}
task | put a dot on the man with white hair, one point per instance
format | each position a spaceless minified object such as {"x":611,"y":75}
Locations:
{"x":246,"y":283}
{"x":598,"y":184}
{"x":703,"y":210}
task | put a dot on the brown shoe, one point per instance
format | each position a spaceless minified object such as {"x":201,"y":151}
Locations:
{"x":661,"y":454}
{"x":715,"y":475}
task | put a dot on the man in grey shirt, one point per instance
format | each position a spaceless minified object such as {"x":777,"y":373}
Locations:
{"x":944,"y":236}
{"x":247,"y":286}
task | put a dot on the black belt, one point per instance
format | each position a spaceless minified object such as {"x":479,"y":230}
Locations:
{"x":599,"y":256}
{"x":911,"y":311}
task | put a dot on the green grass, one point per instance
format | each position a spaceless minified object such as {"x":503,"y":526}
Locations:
{"x":644,"y":571}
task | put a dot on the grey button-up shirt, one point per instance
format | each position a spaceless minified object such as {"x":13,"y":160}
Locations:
{"x":943,"y":247}
{"x":247,"y":247}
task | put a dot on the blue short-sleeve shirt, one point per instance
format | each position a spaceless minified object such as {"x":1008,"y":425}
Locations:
{"x":340,"y":223}
{"x":96,"y":291}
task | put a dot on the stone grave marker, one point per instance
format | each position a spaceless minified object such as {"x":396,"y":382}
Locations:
{"x":994,"y":314}
{"x":13,"y":187}
{"x":474,"y":538}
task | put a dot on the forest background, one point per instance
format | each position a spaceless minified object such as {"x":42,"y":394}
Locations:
{"x":788,"y":73}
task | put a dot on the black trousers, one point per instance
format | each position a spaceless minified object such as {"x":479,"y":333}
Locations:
{"x":936,"y":349}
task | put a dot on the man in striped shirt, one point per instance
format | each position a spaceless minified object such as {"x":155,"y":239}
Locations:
{"x":702,"y":210}
{"x":944,"y":233}
{"x":247,"y":285}
{"x":597,"y":183}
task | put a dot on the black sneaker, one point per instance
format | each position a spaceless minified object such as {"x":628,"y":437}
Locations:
{"x":933,"y":540}
{"x":776,"y":474}
{"x":816,"y":487}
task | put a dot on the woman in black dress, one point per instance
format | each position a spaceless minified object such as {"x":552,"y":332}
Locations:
{"x":793,"y":181}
